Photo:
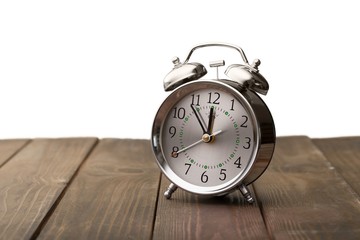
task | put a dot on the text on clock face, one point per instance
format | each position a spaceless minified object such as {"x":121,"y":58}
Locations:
{"x":208,"y":137}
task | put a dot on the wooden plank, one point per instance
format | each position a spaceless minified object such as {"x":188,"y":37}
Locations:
{"x":33,"y":180}
{"x":303,"y":196}
{"x":189,"y":216}
{"x":8,"y":148}
{"x":113,"y":196}
{"x":344,"y":155}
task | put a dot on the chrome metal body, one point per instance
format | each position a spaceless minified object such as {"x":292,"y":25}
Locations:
{"x":264,"y":136}
{"x":183,"y":73}
{"x":246,"y":77}
{"x":244,"y":82}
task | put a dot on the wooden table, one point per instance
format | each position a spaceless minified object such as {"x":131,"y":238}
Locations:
{"x":86,"y":188}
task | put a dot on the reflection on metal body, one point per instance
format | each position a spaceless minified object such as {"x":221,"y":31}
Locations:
{"x":243,"y":84}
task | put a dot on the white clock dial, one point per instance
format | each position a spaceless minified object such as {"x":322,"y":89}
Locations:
{"x":208,"y":137}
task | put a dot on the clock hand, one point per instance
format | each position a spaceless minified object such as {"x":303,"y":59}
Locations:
{"x":211,"y":120}
{"x":197,"y":115}
{"x":203,"y":139}
{"x":190,"y":146}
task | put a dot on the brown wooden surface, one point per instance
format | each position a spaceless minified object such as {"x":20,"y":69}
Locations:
{"x":188,"y":216}
{"x":344,"y":155}
{"x":113,"y":196}
{"x":303,"y":194}
{"x":32,"y":181}
{"x":84,"y":188}
{"x":8,"y":148}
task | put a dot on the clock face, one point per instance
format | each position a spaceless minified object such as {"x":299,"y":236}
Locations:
{"x":208,"y":137}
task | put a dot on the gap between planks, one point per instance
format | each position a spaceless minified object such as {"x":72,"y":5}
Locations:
{"x":190,"y":216}
{"x":261,"y":194}
{"x":16,"y":145}
{"x":156,"y":206}
{"x":33,"y":179}
{"x":303,"y":196}
{"x":112,"y":197}
{"x":57,"y":201}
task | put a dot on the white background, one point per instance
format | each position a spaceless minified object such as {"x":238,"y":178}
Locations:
{"x":95,"y":68}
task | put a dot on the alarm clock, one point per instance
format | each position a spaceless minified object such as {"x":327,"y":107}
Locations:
{"x":213,"y":135}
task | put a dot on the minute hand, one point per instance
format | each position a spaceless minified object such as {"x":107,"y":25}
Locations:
{"x":211,"y":121}
{"x":197,"y":142}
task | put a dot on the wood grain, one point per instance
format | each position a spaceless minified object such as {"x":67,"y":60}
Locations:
{"x":33,"y":180}
{"x":344,"y":155}
{"x":188,"y":216}
{"x":8,"y":148}
{"x":113,"y":196}
{"x":88,"y":189}
{"x":303,"y":196}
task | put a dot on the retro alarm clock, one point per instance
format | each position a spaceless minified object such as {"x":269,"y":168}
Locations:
{"x":213,"y":135}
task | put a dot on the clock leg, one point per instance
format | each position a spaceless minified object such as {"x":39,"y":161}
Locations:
{"x":246,"y":193}
{"x":171,"y":189}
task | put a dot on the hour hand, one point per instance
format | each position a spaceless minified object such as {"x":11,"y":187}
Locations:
{"x":199,"y":118}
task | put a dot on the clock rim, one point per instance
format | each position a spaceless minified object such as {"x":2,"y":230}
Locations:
{"x":262,"y":152}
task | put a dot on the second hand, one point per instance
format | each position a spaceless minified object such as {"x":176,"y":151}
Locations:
{"x":198,"y":142}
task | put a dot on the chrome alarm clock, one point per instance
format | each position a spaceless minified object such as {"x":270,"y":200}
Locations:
{"x":213,"y":135}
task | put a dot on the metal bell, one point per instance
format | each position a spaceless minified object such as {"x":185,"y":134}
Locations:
{"x":248,"y":77}
{"x":183,"y":73}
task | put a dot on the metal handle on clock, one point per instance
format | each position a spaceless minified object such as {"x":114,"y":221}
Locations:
{"x":217,"y":45}
{"x":244,"y":76}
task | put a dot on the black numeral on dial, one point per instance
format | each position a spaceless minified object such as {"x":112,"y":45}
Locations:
{"x":214,"y":98}
{"x":245,"y":121}
{"x":238,"y":162}
{"x":195,"y":99}
{"x":247,"y":143}
{"x":179,"y":112}
{"x":172,"y":131}
{"x":222,"y":174}
{"x":188,"y":165}
{"x":174,"y":153}
{"x":232,"y":105}
{"x":204,"y":178}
